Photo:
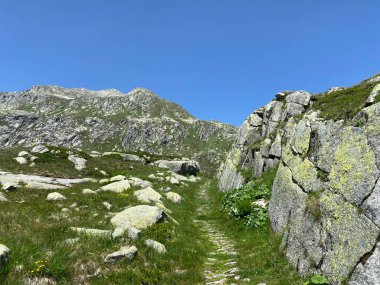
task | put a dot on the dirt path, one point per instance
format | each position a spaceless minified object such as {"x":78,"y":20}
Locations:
{"x":221,"y":263}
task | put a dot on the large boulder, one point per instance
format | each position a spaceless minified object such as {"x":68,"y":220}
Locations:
{"x":116,"y":187}
{"x":184,"y":167}
{"x":139,"y":217}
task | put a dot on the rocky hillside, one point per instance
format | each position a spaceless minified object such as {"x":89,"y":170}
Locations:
{"x":109,"y":120}
{"x":325,"y":197}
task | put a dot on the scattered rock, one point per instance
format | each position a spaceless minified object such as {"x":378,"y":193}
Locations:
{"x":107,"y":205}
{"x":40,"y":149}
{"x":92,"y":232}
{"x":117,"y":178}
{"x":137,"y":182}
{"x":9,"y":186}
{"x":23,"y":153}
{"x":4,"y":255}
{"x":139,"y":217}
{"x":185,"y":167}
{"x":55,"y":196}
{"x":152,"y":176}
{"x":104,"y":181}
{"x":126,"y":252}
{"x":2,"y":198}
{"x":79,"y":162}
{"x":173,"y":197}
{"x":117,"y":187}
{"x":147,"y":195}
{"x":88,"y":191}
{"x":132,"y":157}
{"x":159,"y":247}
{"x":21,"y":160}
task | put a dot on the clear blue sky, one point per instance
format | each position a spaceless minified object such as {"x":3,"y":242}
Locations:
{"x":220,"y":59}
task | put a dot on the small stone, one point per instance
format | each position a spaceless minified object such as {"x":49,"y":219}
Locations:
{"x":2,"y":198}
{"x":117,"y":187}
{"x":23,"y":153}
{"x":152,"y":176}
{"x":88,"y":191}
{"x":79,"y":162}
{"x":9,"y":186}
{"x":40,"y":149}
{"x":92,"y":232}
{"x":104,"y":181}
{"x":65,"y":210}
{"x":55,"y":196}
{"x":4,"y":255}
{"x":158,"y":247}
{"x":173,"y":197}
{"x":107,"y":205}
{"x":117,"y":178}
{"x":21,"y":160}
{"x":126,"y":252}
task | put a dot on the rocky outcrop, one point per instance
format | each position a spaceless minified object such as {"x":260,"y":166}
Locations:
{"x":258,"y":142}
{"x":326,"y":193}
{"x":109,"y":120}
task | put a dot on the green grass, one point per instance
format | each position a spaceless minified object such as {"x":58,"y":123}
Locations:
{"x":35,"y":230}
{"x":343,"y":104}
{"x":259,"y":256}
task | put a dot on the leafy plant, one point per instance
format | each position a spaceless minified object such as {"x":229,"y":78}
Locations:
{"x":317,"y":280}
{"x":239,"y":204}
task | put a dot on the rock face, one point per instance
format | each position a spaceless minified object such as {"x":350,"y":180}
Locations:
{"x":109,"y":120}
{"x":326,"y":193}
{"x":254,"y":150}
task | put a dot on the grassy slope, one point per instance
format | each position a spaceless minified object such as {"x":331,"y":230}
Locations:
{"x":35,"y":229}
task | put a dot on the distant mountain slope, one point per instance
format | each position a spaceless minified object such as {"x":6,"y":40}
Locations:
{"x":108,"y":120}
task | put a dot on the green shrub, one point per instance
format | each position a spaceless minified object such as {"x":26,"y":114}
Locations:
{"x":239,"y":204}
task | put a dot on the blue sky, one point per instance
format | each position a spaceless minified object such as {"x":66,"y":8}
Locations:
{"x":220,"y":59}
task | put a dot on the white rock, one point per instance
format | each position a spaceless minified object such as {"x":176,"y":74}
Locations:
{"x":117,"y":178}
{"x":33,"y":158}
{"x":131,"y":232}
{"x":88,"y":191}
{"x":9,"y":186}
{"x":21,"y":160}
{"x":23,"y":153}
{"x":104,"y":181}
{"x":79,"y":162}
{"x":173,"y":181}
{"x":147,"y":195}
{"x":152,"y":176}
{"x":140,"y":183}
{"x":173,"y":197}
{"x":107,"y":205}
{"x":159,"y":247}
{"x":92,"y":232}
{"x":2,"y":198}
{"x":139,"y":217}
{"x":4,"y":255}
{"x":55,"y":196}
{"x":103,"y":172}
{"x":126,"y":252}
{"x":40,"y":149}
{"x":261,"y":203}
{"x":117,"y":187}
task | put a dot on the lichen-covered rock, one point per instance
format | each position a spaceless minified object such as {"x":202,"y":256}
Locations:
{"x":185,"y":167}
{"x":367,"y":272}
{"x":286,"y":198}
{"x":354,"y":170}
{"x":117,"y":187}
{"x":350,"y":236}
{"x":55,"y":196}
{"x":173,"y":197}
{"x":126,"y":252}
{"x":92,"y":232}
{"x":158,"y":247}
{"x":79,"y":162}
{"x":139,"y":217}
{"x":147,"y":195}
